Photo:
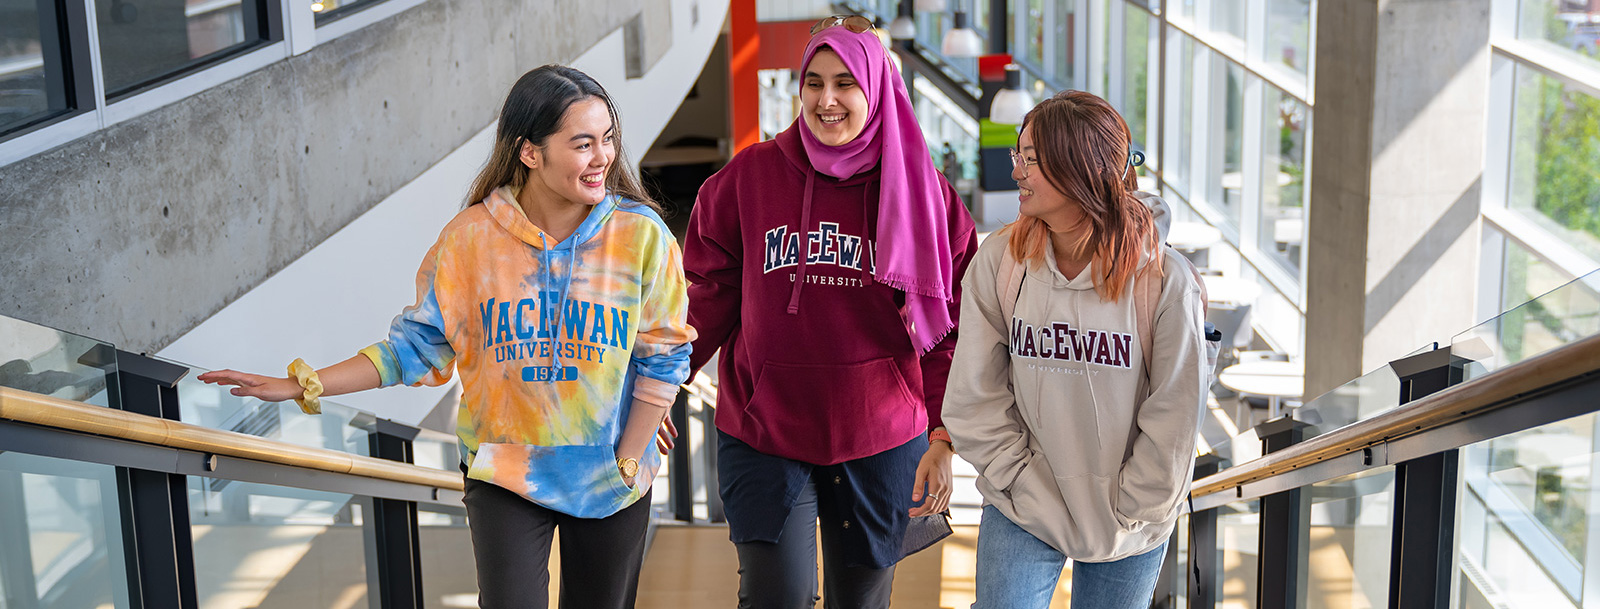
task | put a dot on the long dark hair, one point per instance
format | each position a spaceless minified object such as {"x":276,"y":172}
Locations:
{"x":1083,"y":144}
{"x":532,"y":113}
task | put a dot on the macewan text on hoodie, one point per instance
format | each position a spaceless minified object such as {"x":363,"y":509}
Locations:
{"x":555,"y":341}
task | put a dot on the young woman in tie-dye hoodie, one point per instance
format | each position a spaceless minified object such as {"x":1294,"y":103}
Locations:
{"x":559,"y":295}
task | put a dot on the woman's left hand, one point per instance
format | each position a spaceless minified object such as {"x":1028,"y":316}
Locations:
{"x":934,"y":474}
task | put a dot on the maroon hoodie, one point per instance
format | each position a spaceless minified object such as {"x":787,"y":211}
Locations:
{"x":839,"y":379}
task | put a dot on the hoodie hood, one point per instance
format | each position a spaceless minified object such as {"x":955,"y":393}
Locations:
{"x":502,"y":204}
{"x":1050,"y":273}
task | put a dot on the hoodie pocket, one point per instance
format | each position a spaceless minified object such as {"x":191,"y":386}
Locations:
{"x":579,"y":480}
{"x":848,"y":408}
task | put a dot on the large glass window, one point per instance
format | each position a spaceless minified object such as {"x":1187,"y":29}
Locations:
{"x":1570,"y":25}
{"x":1033,"y":38}
{"x":1282,"y":230}
{"x":1136,"y":76}
{"x":1179,"y":112}
{"x":1289,"y":33}
{"x":32,"y":87}
{"x":1228,"y":16}
{"x":1555,"y":176}
{"x":1227,"y":187}
{"x":144,"y":41}
{"x":330,"y":10}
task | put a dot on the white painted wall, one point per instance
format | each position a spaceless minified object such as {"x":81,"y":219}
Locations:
{"x":342,"y":294}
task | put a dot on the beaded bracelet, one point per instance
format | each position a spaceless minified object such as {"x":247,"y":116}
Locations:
{"x":312,"y":385}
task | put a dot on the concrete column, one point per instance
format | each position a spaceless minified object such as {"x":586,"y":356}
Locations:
{"x":1397,"y":166}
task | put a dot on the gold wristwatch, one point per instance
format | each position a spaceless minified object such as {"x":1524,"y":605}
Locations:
{"x":629,"y":467}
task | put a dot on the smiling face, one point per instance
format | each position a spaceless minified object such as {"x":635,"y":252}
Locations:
{"x":572,"y":163}
{"x":1039,"y":199}
{"x":834,"y":105}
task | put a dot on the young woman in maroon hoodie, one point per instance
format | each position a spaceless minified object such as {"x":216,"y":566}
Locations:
{"x":826,"y":266}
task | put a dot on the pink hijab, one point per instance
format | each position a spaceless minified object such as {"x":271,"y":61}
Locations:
{"x":913,"y":240}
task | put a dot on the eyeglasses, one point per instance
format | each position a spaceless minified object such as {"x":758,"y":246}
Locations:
{"x":854,"y":23}
{"x":1021,"y":162}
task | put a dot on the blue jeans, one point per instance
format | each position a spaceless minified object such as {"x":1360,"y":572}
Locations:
{"x":1017,"y":571}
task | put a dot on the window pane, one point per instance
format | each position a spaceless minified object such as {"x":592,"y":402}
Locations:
{"x":145,"y":41}
{"x":1289,"y":33}
{"x":1061,"y":41}
{"x":1033,"y":33}
{"x":1351,"y":530}
{"x":1543,"y":310}
{"x":1136,"y":75}
{"x":1565,"y":24}
{"x":1555,"y":177}
{"x":31,"y":84}
{"x":1180,"y":113}
{"x":1283,"y":192}
{"x":1227,"y":192}
{"x":1227,"y":16}
{"x":330,"y":10}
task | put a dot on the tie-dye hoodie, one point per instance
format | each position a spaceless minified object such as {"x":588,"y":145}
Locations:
{"x":554,"y":340}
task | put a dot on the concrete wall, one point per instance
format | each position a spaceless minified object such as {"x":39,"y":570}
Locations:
{"x":136,"y":233}
{"x":705,"y":115}
{"x":1394,"y":240}
{"x":341,"y":295}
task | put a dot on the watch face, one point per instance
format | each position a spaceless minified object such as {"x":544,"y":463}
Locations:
{"x":629,"y":467}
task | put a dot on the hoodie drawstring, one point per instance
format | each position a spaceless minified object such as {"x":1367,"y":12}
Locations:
{"x":803,"y":243}
{"x":561,"y":307}
{"x":1088,"y":376}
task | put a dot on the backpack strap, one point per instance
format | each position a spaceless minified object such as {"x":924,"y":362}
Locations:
{"x":1008,"y":285}
{"x":1146,"y":293}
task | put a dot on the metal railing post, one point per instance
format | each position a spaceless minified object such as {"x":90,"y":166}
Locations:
{"x":154,"y":506}
{"x":391,"y":536}
{"x":681,"y":478}
{"x":1204,"y":559}
{"x":1422,"y":553}
{"x":1285,"y":528}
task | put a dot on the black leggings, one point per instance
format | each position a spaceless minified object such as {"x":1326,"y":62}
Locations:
{"x":600,"y":557}
{"x":783,"y":575}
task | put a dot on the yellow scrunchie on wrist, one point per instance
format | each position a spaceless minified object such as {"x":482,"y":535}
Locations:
{"x":307,"y":376}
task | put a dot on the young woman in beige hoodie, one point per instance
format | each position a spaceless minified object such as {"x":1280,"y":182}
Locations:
{"x":1077,"y":383}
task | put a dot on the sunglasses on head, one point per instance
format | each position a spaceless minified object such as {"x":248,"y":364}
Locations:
{"x":854,"y":23}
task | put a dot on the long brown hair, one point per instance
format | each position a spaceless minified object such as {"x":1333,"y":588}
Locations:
{"x":1083,"y":146}
{"x":532,"y":113}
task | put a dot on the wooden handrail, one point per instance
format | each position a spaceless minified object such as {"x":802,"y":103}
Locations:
{"x":29,"y":407}
{"x":1467,"y":400}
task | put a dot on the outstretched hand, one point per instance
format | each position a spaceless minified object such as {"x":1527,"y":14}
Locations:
{"x":264,"y":388}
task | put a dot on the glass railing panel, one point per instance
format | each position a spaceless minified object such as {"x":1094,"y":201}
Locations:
{"x":60,"y":534}
{"x":1238,"y":548}
{"x":1526,"y":537}
{"x":60,"y":364}
{"x":1181,"y":574}
{"x":436,"y":450}
{"x":338,"y":428}
{"x":1555,"y":318}
{"x":1351,"y":530}
{"x":1367,"y":396}
{"x":449,"y":578}
{"x":264,"y":546}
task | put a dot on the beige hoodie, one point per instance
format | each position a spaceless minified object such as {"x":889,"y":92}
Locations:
{"x":1054,"y":409}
